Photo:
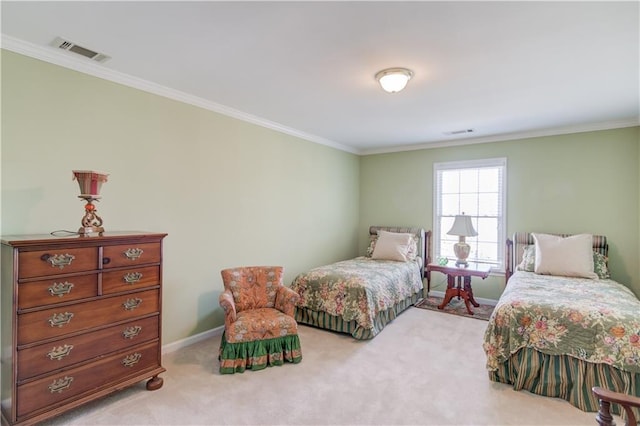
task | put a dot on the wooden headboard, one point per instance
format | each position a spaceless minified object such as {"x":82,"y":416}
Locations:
{"x":424,"y":240}
{"x":519,"y":240}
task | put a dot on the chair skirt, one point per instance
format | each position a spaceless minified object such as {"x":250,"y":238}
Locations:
{"x":258,"y":339}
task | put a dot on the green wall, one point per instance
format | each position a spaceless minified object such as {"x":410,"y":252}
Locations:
{"x":583,"y":182}
{"x":231,"y":193}
{"x":227,"y":192}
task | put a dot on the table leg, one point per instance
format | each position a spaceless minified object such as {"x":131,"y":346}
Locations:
{"x":459,"y":286}
{"x":466,"y":303}
{"x":467,"y":288}
{"x":451,"y":292}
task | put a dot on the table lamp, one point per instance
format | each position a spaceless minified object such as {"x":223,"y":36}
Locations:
{"x":462,"y":227}
{"x":90,"y":183}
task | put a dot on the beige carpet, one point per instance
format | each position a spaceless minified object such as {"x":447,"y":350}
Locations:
{"x":425,"y":368}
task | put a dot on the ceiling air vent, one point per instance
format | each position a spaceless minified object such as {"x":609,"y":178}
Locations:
{"x":459,"y":132}
{"x":72,"y":47}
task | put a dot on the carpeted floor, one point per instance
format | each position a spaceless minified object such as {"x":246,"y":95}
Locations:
{"x":424,"y":368}
{"x":456,"y":307}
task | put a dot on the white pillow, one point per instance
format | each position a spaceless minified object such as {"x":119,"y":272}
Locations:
{"x":570,"y":257}
{"x":392,"y":246}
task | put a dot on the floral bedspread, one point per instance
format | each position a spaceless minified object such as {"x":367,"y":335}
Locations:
{"x":596,"y":321}
{"x":358,"y":289}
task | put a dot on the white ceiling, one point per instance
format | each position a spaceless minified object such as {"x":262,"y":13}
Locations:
{"x":503,"y":69}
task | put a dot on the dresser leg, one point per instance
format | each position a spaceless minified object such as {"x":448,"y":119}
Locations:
{"x":155,"y":383}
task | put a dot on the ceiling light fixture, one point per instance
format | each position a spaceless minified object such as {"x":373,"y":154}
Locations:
{"x":393,"y":80}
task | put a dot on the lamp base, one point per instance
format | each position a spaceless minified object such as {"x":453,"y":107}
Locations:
{"x":89,"y":230}
{"x":91,"y":222}
{"x":462,"y":250}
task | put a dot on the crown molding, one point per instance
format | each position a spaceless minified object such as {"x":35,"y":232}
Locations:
{"x":68,"y":60}
{"x":555,"y":131}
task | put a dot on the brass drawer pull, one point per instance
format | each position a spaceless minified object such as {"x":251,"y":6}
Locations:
{"x":60,"y":352}
{"x":132,"y":277}
{"x":131,"y":332}
{"x":131,"y":360}
{"x":133,"y":253}
{"x":131,"y":304}
{"x":60,"y":289}
{"x":60,"y":384}
{"x":58,"y":320}
{"x":59,"y":260}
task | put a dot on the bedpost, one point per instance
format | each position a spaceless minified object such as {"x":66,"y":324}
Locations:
{"x":508,"y":271}
{"x":604,"y":417}
{"x":606,"y":397}
{"x":427,"y":251}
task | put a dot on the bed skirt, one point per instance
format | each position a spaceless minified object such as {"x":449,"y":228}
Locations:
{"x":335,"y":323}
{"x":562,"y":376}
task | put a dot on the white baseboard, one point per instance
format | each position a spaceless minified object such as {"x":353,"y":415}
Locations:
{"x":491,"y":302}
{"x":182,"y":343}
{"x":187,"y":341}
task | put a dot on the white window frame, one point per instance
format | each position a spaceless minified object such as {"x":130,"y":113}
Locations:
{"x":501,"y":163}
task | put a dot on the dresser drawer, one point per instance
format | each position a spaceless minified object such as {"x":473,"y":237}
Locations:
{"x":130,"y":255}
{"x":57,"y":261}
{"x":54,"y":322}
{"x":58,"y":290}
{"x":44,"y":358}
{"x":56,"y":388}
{"x":130,"y":279}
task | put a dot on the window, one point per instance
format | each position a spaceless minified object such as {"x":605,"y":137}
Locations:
{"x":476,"y":188}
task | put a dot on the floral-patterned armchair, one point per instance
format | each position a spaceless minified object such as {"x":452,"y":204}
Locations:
{"x":259,"y":325}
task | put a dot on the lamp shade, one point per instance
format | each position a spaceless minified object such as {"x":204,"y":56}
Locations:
{"x":462,"y":226}
{"x":90,"y":182}
{"x":393,"y":80}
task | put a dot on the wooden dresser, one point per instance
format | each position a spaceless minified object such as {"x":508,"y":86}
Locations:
{"x":81,"y":318}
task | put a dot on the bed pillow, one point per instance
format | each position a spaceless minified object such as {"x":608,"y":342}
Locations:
{"x":529,"y":260}
{"x":373,"y":239}
{"x":392,"y":246}
{"x":412,"y":254}
{"x":570,"y":256}
{"x":600,"y":266}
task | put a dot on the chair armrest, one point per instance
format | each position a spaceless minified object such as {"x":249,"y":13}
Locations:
{"x":229,"y":306}
{"x":286,"y":300}
{"x":606,"y":397}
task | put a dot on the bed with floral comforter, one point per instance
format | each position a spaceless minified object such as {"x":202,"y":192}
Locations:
{"x":559,"y":336}
{"x":361,"y":296}
{"x":593,"y":320}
